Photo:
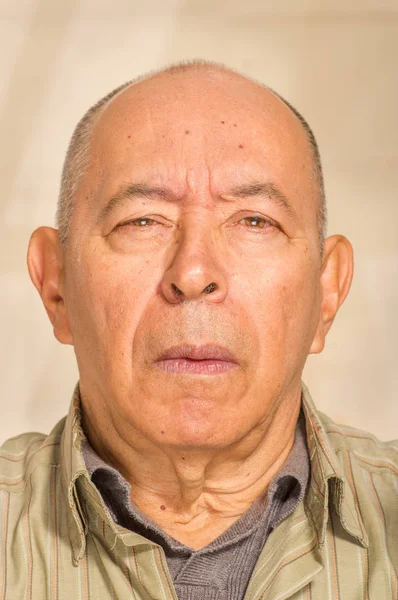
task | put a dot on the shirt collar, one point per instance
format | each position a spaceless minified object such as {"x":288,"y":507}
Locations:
{"x":73,"y":467}
{"x":327,"y":480}
{"x":80,"y":491}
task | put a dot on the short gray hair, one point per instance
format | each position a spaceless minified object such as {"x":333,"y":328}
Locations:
{"x":78,"y":154}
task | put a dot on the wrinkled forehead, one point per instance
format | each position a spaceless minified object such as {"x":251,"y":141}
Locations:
{"x":169,"y":124}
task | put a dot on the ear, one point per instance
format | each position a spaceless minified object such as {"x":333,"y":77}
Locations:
{"x":45,"y":264}
{"x":336,"y":277}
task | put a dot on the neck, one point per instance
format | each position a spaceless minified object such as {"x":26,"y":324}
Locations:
{"x":193,"y":494}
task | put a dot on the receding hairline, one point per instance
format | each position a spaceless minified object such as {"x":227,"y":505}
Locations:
{"x":78,"y":154}
{"x":200,"y":66}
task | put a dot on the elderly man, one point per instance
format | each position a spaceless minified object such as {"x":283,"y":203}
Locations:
{"x":191,"y":275}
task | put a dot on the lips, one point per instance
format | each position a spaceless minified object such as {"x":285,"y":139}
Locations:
{"x":207,"y":352}
{"x":197,"y":360}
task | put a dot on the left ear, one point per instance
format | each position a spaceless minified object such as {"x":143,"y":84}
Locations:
{"x":336,"y":277}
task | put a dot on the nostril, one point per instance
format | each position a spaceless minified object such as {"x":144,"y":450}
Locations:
{"x":175,"y":289}
{"x":207,"y":290}
{"x":210,"y":288}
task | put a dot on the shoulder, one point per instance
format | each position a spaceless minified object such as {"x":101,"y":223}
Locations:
{"x":362,"y":446}
{"x":370,"y":467}
{"x":21,"y":455}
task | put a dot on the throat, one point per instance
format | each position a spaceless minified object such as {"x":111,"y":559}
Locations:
{"x":198,"y":538}
{"x":206,"y":525}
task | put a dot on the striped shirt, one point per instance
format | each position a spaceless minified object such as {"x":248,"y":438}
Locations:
{"x":59,"y":542}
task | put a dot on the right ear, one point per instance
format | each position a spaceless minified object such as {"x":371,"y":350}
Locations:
{"x":46,"y":272}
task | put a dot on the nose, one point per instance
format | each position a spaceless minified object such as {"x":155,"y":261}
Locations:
{"x":196,"y":271}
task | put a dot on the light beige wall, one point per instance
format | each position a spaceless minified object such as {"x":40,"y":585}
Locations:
{"x":335,"y":60}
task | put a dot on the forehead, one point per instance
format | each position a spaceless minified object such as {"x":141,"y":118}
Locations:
{"x":218,"y":127}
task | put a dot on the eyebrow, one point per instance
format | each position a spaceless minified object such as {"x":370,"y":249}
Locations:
{"x":262,"y":190}
{"x":138,"y":190}
{"x":133,"y":191}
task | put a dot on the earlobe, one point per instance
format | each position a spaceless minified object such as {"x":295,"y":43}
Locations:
{"x":335,"y":282}
{"x":45,"y":270}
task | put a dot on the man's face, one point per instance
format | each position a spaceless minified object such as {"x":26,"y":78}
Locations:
{"x":191,"y":159}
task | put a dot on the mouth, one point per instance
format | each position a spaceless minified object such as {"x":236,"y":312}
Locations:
{"x":197,"y":360}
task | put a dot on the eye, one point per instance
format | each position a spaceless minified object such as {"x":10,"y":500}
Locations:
{"x":142,"y":222}
{"x":255,"y":222}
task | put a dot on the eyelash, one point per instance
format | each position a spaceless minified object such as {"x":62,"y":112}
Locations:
{"x":249,"y":218}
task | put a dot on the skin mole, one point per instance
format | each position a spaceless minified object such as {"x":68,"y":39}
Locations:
{"x":162,"y":507}
{"x":187,"y":132}
{"x":240,"y":145}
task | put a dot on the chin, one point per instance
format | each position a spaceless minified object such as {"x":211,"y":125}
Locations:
{"x":199,"y":441}
{"x":198,"y":433}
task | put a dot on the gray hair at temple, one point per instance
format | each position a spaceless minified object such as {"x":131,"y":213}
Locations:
{"x":78,"y":153}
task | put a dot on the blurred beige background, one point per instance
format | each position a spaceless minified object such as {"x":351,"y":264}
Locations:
{"x":336,"y":61}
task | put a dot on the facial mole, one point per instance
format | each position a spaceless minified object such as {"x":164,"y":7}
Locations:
{"x":240,"y":145}
{"x":187,"y":132}
{"x":162,"y":507}
{"x":235,"y":125}
{"x":162,"y":431}
{"x":129,"y":136}
{"x":223,"y":122}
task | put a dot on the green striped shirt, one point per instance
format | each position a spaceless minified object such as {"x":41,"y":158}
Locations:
{"x":59,"y":542}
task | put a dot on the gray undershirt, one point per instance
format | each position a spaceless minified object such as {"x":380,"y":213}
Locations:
{"x":222,"y":569}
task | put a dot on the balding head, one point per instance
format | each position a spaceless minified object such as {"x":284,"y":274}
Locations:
{"x":77,"y":158}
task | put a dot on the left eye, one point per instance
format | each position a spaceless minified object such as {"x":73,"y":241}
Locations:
{"x":139,"y":222}
{"x":255,"y":222}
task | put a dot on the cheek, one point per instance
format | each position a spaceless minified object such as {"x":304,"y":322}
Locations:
{"x":285,"y":306}
{"x":301,"y":314}
{"x":108,"y":301}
